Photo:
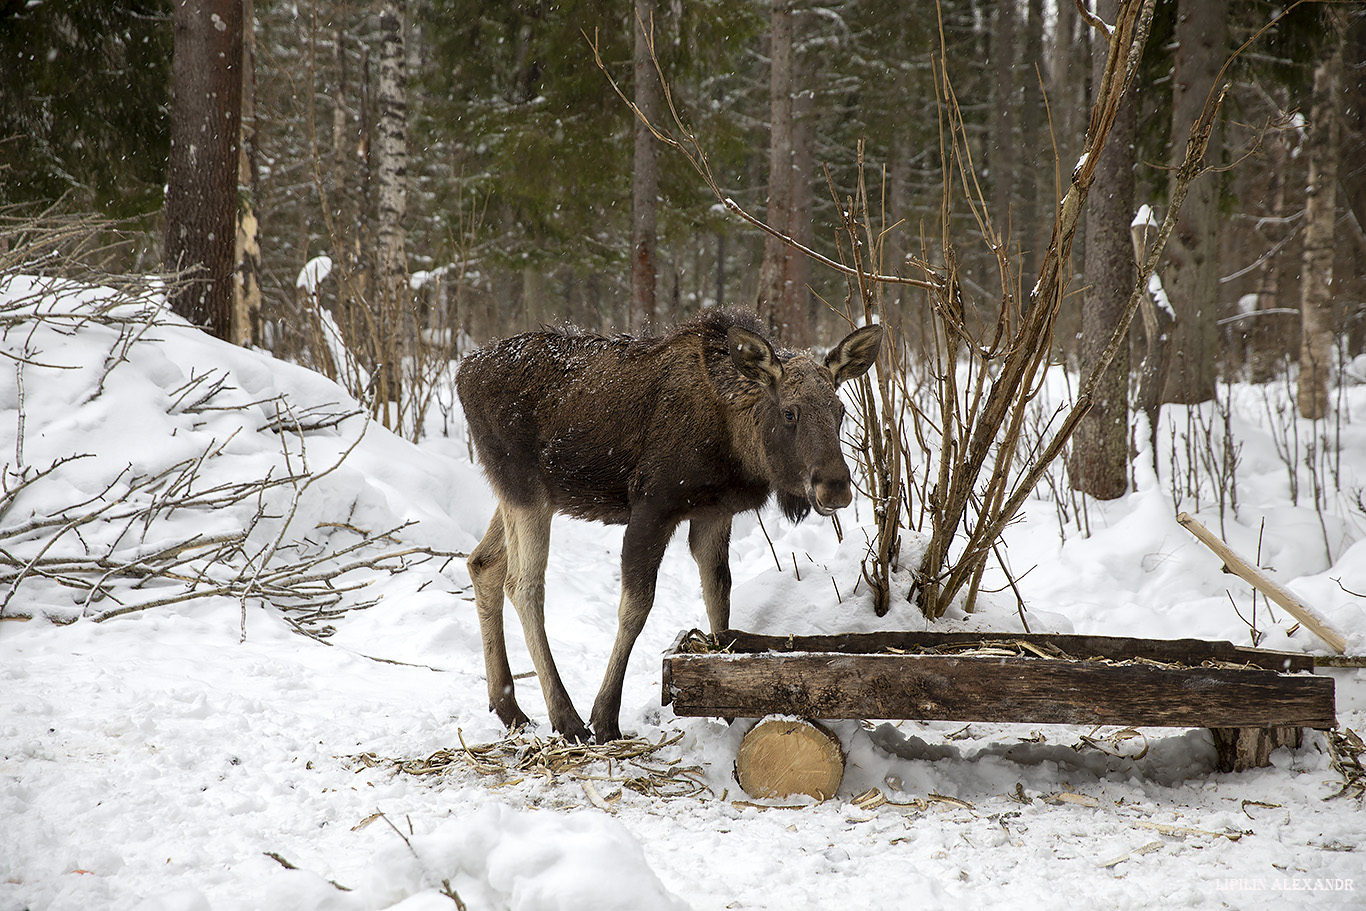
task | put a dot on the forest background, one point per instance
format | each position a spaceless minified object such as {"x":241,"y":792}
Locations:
{"x":416,"y":176}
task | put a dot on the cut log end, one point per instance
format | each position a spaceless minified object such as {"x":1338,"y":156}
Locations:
{"x":781,"y":757}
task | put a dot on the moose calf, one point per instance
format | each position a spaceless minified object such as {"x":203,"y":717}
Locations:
{"x":698,"y":425}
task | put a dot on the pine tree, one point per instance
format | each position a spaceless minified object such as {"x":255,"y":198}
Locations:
{"x":83,"y":109}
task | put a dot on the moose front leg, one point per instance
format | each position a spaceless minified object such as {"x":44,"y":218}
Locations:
{"x":642,"y":550}
{"x":709,"y":540}
{"x":528,"y":546}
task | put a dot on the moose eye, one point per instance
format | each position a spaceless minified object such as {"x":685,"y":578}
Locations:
{"x":790,"y":414}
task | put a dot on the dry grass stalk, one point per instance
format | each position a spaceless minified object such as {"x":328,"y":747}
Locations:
{"x":1349,"y":759}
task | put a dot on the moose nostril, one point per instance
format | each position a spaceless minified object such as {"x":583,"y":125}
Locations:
{"x":831,"y":491}
{"x":832,"y":480}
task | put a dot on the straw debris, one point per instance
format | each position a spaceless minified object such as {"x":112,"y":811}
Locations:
{"x":632,"y":764}
{"x":1347,"y":751}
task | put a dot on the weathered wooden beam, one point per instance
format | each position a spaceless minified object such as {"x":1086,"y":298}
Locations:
{"x":1117,"y":648}
{"x":992,"y":689}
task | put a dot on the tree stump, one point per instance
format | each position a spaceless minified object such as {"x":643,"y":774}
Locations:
{"x":1241,"y":749}
{"x":780,"y":757}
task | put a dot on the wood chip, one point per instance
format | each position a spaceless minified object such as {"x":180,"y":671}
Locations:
{"x":1140,"y":850}
{"x":1167,"y":829}
{"x":595,"y":797}
{"x":1069,"y":797}
{"x":870,"y":799}
{"x":366,"y":821}
{"x":749,"y":804}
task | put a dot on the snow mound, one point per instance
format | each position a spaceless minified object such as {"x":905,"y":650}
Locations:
{"x":135,"y":440}
{"x":503,"y":859}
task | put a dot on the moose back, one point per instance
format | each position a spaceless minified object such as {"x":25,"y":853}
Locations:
{"x":697,"y":425}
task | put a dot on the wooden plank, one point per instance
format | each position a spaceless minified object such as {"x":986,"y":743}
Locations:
{"x":1175,"y":651}
{"x":1267,"y":586}
{"x":990,"y":689}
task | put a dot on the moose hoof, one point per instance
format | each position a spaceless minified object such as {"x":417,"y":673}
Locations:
{"x":570,"y":726}
{"x":575,"y":733}
{"x":511,"y":715}
{"x":607,"y":734}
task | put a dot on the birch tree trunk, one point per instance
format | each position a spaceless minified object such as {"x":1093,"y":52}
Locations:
{"x":1192,"y":273}
{"x":246,"y":311}
{"x":391,"y":145}
{"x":395,"y":316}
{"x":645,"y":171}
{"x":1316,"y":273}
{"x":201,"y":179}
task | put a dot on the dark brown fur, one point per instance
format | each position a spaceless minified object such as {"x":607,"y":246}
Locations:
{"x":697,"y":425}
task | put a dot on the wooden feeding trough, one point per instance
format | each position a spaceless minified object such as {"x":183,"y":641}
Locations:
{"x":1252,"y":699}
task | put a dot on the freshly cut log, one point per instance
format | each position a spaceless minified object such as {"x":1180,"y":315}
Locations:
{"x":781,"y":757}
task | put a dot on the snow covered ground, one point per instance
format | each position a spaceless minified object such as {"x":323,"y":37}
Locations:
{"x":160,"y":760}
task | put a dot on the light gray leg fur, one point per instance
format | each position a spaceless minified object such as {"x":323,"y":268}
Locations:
{"x":528,"y":544}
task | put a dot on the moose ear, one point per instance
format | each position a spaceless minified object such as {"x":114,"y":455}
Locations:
{"x":754,"y":357}
{"x":852,"y":357}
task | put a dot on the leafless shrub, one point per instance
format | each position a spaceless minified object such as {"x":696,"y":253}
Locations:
{"x":986,"y":371}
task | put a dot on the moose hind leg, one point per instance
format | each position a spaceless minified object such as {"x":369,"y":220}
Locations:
{"x":709,"y":540}
{"x":488,"y":568}
{"x":528,"y":539}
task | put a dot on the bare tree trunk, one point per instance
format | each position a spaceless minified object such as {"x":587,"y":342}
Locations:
{"x":1035,"y":170}
{"x":1100,"y":449}
{"x":1266,"y":343}
{"x":340,"y":115}
{"x":201,"y":180}
{"x":1192,"y":274}
{"x":246,"y":311}
{"x":1067,"y":86}
{"x":1352,"y":147}
{"x":1159,"y":325}
{"x":1316,"y":275}
{"x":773,"y":271}
{"x":798,"y":298}
{"x":393,"y":319}
{"x":898,"y":297}
{"x":1002,"y":155}
{"x":645,"y":171}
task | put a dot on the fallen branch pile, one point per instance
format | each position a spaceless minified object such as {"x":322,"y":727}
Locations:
{"x":86,"y":532}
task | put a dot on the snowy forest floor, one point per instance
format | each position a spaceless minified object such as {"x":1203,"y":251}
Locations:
{"x":203,"y":754}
